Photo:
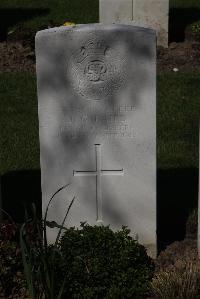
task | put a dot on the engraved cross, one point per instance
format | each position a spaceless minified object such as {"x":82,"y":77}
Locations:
{"x":98,"y":173}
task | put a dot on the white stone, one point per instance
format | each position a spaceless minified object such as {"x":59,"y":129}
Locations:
{"x":175,"y":69}
{"x":97,"y":121}
{"x":146,"y":13}
{"x":115,"y":11}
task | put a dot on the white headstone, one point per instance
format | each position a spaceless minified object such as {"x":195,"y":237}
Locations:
{"x":146,"y":13}
{"x":97,"y":120}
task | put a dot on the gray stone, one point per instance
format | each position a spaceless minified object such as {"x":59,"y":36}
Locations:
{"x":97,"y":123}
{"x":146,"y":13}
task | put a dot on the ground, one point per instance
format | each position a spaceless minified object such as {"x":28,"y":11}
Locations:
{"x":185,"y":56}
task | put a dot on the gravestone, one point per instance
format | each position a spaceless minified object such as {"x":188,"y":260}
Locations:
{"x":145,"y":13}
{"x":97,"y":124}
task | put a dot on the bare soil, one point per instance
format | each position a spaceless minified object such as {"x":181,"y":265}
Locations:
{"x":19,"y":56}
{"x":15,"y":57}
{"x":179,"y":57}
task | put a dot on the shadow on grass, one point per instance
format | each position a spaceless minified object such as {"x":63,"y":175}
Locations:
{"x":179,"y":19}
{"x":177,"y":196}
{"x":13,"y":16}
{"x":19,"y":190}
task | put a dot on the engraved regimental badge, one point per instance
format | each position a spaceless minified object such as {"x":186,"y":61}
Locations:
{"x":97,"y":71}
{"x":95,"y":68}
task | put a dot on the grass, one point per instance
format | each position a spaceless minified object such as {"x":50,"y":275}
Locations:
{"x":18,"y":123}
{"x":37,"y":14}
{"x":184,"y":3}
{"x":34,"y":15}
{"x":180,"y":281}
{"x":177,"y":113}
{"x":178,"y":94}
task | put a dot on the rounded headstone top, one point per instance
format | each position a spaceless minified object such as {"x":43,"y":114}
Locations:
{"x":94,"y":27}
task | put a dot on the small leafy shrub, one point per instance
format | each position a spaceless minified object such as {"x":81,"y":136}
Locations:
{"x":180,"y":281}
{"x":196,"y":29}
{"x":193,"y":31}
{"x":100,"y":263}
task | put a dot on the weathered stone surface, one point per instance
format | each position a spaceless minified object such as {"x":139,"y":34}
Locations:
{"x":146,"y":13}
{"x":97,"y":119}
{"x":115,"y":11}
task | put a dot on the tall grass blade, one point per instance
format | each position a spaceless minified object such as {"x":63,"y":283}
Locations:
{"x":61,"y":228}
{"x":46,"y":212}
{"x":26,"y":258}
{"x":41,"y":278}
{"x":8,"y":215}
{"x":61,"y":289}
{"x":56,"y":247}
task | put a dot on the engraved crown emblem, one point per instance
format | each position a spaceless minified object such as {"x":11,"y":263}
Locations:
{"x":95,"y":48}
{"x":92,"y":48}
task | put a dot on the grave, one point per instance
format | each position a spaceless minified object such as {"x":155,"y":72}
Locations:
{"x":97,"y":125}
{"x":145,"y":13}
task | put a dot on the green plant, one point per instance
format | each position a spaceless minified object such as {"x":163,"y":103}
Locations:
{"x":11,"y":277}
{"x":100,"y":263}
{"x":180,"y":281}
{"x":39,"y":258}
{"x":193,"y":30}
{"x":11,"y":268}
{"x":196,"y":28}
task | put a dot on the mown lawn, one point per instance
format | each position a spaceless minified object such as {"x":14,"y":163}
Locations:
{"x":178,"y":114}
{"x":184,"y":3}
{"x":34,"y":15}
{"x":19,"y":145}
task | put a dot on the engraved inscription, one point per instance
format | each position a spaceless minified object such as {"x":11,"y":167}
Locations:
{"x":112,"y":123}
{"x":96,"y":70}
